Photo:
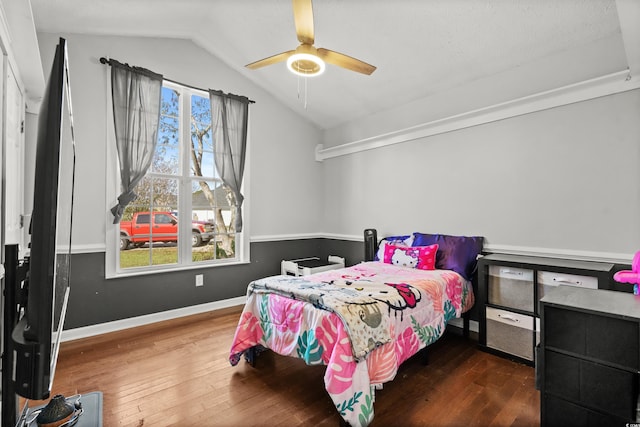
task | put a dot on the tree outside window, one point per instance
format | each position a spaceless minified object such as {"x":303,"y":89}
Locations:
{"x":189,"y":212}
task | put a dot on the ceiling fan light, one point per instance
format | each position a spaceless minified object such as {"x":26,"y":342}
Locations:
{"x":305,"y":64}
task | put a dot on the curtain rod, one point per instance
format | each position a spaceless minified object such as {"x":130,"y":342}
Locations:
{"x":106,"y":61}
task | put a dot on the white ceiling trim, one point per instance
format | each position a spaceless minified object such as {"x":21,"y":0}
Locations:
{"x":610,"y":84}
{"x":615,"y":257}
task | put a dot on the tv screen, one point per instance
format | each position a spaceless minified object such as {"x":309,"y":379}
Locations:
{"x":36,"y":337}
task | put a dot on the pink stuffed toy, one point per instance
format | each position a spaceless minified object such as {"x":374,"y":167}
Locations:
{"x":631,"y":276}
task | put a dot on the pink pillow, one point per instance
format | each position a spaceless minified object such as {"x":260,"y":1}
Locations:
{"x":420,"y":257}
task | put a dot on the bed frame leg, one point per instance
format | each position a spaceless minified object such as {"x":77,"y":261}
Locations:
{"x":424,"y":356}
{"x":250,"y":356}
{"x":466,"y":317}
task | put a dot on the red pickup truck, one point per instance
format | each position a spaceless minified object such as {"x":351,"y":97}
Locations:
{"x":160,"y":227}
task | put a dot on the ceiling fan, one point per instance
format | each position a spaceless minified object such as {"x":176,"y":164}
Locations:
{"x":306,"y":60}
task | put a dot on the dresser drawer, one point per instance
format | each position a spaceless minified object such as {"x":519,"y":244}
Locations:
{"x":610,"y":340}
{"x":511,"y":287}
{"x":558,"y":412}
{"x":599,"y":387}
{"x":548,"y":280}
{"x":510,"y":332}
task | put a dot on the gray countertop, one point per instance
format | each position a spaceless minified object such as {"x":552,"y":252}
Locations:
{"x":617,"y":303}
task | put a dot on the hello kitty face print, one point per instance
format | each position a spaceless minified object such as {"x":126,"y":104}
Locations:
{"x":420,"y":257}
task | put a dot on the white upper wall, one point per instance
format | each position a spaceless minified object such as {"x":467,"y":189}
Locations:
{"x":282,"y":169}
{"x":560,"y":181}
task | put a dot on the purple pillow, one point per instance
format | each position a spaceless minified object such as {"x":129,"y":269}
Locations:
{"x":457,"y":253}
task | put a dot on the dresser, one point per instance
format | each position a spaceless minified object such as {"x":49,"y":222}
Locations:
{"x":509,"y":290}
{"x":590,"y":358}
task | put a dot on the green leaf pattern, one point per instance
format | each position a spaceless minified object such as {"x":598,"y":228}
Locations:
{"x":449,"y":311}
{"x":366,"y":414}
{"x":427,"y":334}
{"x":348,"y":404}
{"x":309,"y":348}
{"x":265,"y":324}
{"x":366,"y":408}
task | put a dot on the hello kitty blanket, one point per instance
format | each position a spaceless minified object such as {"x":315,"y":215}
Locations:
{"x":362,"y":322}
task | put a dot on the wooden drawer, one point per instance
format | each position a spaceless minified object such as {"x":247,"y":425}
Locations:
{"x":595,"y":386}
{"x":610,"y":340}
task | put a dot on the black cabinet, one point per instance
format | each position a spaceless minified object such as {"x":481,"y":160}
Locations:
{"x":590,"y":367}
{"x":509,"y":288}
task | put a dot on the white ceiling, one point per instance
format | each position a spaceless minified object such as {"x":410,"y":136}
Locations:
{"x":421,"y":47}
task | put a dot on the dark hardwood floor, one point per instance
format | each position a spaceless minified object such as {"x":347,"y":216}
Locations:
{"x":176,"y":373}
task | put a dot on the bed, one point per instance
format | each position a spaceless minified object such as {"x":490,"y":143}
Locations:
{"x":362,"y":321}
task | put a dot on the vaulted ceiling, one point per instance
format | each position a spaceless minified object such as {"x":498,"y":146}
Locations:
{"x":420,"y":47}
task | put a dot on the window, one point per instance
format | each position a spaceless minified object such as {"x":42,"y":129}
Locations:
{"x":184,"y":215}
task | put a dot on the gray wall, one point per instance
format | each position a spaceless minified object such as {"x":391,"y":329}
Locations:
{"x":281,"y":144}
{"x":95,"y":300}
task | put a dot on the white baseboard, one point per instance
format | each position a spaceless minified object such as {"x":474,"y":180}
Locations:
{"x":118,"y":325}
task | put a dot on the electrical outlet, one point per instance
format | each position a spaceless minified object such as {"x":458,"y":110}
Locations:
{"x":199,"y":280}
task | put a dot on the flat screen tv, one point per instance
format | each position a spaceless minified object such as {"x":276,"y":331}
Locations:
{"x":42,"y":280}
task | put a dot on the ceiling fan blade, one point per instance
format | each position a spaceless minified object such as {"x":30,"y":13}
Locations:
{"x":345,"y":61}
{"x":270,"y":60}
{"x":303,"y":18}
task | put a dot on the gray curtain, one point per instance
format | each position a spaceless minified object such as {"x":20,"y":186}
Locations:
{"x":136,"y":95}
{"x":229,"y":119}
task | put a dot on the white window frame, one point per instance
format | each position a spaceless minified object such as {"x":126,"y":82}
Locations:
{"x":113,"y":188}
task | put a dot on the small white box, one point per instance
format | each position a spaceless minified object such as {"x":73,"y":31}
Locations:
{"x":307,"y":266}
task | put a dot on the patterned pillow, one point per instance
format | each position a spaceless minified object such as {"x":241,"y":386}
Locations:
{"x":420,"y":257}
{"x":394,"y":240}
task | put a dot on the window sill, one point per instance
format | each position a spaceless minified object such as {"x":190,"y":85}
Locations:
{"x":170,"y":269}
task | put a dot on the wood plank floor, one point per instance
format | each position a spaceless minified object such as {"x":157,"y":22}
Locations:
{"x":176,"y":373}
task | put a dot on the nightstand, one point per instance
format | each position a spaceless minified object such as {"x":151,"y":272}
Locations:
{"x":306,"y":266}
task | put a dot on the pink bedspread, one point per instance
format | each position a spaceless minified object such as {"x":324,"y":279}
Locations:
{"x":416,"y":308}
